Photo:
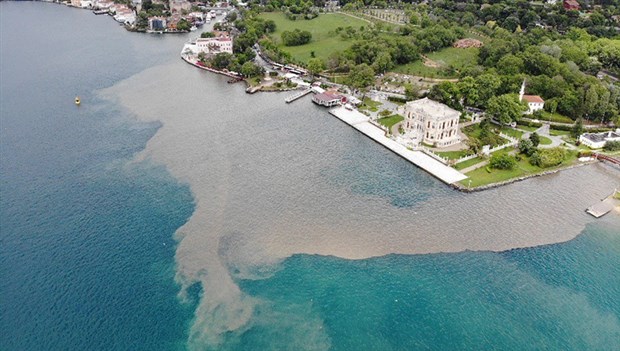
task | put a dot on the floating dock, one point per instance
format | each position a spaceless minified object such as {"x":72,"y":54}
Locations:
{"x":360,"y":122}
{"x":602,"y":208}
{"x":297,"y":96}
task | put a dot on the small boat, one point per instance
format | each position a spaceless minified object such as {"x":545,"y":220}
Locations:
{"x":77,"y":100}
{"x":193,"y":28}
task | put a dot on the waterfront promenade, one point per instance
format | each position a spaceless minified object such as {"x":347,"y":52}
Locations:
{"x":360,"y":122}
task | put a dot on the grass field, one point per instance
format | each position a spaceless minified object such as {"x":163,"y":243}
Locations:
{"x":452,"y":155}
{"x":545,"y":141}
{"x":390,"y":121}
{"x":465,"y":164}
{"x":555,"y":117}
{"x":324,"y":40}
{"x":457,"y":58}
{"x":512,"y":132}
{"x":556,"y":132}
{"x":370,"y":105}
{"x":481,"y":176}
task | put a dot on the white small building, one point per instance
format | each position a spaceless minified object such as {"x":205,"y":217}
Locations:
{"x":598,"y":140}
{"x":534,"y":102}
{"x":431,"y":122}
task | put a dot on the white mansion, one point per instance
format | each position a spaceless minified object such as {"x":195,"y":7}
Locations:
{"x":431,"y":122}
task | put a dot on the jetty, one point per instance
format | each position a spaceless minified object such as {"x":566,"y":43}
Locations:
{"x":298,"y":95}
{"x":361,"y":122}
{"x":605,"y":206}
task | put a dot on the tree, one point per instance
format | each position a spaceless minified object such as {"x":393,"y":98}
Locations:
{"x":250,"y":69}
{"x":383,"y":62}
{"x":503,"y":161}
{"x":222,"y":60}
{"x":183,"y":25}
{"x":316,"y":65}
{"x":411,"y":91}
{"x":506,"y":108}
{"x":526,"y":147}
{"x":577,"y":128}
{"x":447,"y":93}
{"x":296,"y":37}
{"x":468,"y":90}
{"x":207,"y":35}
{"x":535,"y":139}
{"x":361,"y":77}
{"x":488,"y":86}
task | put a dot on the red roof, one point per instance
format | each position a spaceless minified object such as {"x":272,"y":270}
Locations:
{"x":571,"y":5}
{"x":533,"y":98}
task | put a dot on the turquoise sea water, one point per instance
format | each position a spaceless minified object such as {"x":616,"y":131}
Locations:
{"x":87,"y":246}
{"x":555,"y":297}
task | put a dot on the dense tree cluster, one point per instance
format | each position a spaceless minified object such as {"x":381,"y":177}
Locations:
{"x":296,"y":37}
{"x":559,"y":69}
{"x":295,"y":9}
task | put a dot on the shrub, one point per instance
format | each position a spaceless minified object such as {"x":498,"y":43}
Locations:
{"x":385,"y":113}
{"x":503,"y":161}
{"x":612,"y":146}
{"x":548,"y":157}
{"x":526,"y":147}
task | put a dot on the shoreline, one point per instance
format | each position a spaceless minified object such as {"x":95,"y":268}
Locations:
{"x":465,"y":189}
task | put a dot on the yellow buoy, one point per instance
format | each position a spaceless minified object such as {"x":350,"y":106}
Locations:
{"x":77,"y":100}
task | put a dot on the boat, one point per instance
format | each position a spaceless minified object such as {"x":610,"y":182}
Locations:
{"x":193,"y":28}
{"x":77,"y":100}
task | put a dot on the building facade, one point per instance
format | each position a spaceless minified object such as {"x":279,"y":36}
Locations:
{"x":598,"y":140}
{"x":222,"y":42}
{"x":534,"y":102}
{"x":157,"y":23}
{"x":431,"y":122}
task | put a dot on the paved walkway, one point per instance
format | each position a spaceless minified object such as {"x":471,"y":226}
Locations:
{"x":474,"y":167}
{"x":360,"y":122}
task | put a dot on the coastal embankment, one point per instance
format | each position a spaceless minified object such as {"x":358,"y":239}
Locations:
{"x":360,"y":122}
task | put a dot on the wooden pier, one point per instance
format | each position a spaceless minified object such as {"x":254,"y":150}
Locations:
{"x":297,"y":95}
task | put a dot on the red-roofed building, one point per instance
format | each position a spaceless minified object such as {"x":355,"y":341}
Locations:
{"x":534,"y":102}
{"x":571,"y":5}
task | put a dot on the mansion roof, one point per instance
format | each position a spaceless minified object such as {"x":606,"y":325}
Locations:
{"x":431,"y":109}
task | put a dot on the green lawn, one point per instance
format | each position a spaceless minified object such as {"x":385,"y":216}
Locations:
{"x":555,"y":117}
{"x":481,"y":176}
{"x":457,"y":58}
{"x":474,"y":130}
{"x":324,"y":40}
{"x":529,"y":129}
{"x":468,"y":163}
{"x":544,"y":140}
{"x":390,"y":121}
{"x":556,"y":132}
{"x":452,"y":155}
{"x":370,"y":105}
{"x":512,"y":132}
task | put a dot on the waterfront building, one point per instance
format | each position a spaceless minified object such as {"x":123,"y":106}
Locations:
{"x":431,"y":122}
{"x":327,"y":99}
{"x":157,"y":23}
{"x":534,"y":102}
{"x":222,"y":42}
{"x":598,"y":140}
